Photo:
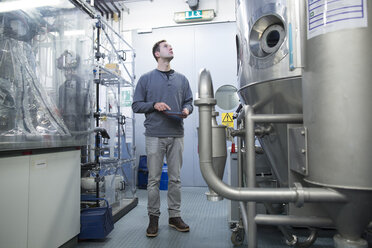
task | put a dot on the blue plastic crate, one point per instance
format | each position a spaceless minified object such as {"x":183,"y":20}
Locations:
{"x":96,"y":223}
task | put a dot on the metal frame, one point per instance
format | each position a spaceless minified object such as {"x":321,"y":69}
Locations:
{"x":114,"y":80}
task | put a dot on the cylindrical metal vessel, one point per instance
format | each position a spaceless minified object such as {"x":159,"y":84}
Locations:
{"x":266,"y":44}
{"x":269,"y":51}
{"x":337,"y":96}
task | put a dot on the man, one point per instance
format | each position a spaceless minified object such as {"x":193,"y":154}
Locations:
{"x":165,"y":97}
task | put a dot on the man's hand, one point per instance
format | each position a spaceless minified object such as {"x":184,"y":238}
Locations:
{"x":185,"y":112}
{"x":161,"y":106}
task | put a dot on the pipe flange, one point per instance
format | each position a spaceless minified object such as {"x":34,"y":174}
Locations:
{"x":205,"y":101}
{"x":300,"y":195}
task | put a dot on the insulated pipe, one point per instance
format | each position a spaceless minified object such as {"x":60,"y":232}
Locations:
{"x":279,"y":195}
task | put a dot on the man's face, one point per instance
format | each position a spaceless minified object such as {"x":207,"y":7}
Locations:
{"x":165,"y":51}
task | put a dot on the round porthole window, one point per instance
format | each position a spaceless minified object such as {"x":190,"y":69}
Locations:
{"x":272,"y":38}
{"x":227,"y":97}
{"x":267,"y":35}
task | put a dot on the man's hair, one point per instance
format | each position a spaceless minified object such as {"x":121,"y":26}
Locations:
{"x":156,"y":48}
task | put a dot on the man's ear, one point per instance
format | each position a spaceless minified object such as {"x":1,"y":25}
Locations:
{"x":157,"y":54}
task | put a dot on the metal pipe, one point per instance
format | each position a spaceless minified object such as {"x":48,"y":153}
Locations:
{"x":89,"y":131}
{"x":244,"y":218}
{"x":119,"y":122}
{"x":80,"y":4}
{"x":240,"y":168}
{"x":107,"y":7}
{"x":275,"y":195}
{"x":241,"y":116}
{"x":283,"y":220}
{"x":238,"y":133}
{"x":288,"y":237}
{"x":272,"y":118}
{"x":278,"y":195}
{"x":117,"y":9}
{"x":98,"y":4}
{"x":116,"y":52}
{"x":117,"y":34}
{"x":100,"y":11}
{"x":278,"y":118}
{"x":251,"y":173}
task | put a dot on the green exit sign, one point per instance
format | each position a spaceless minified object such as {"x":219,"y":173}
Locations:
{"x":196,"y":14}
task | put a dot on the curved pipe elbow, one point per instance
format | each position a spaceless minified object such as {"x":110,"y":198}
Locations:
{"x":205,"y":84}
{"x":244,"y":194}
{"x":298,"y":195}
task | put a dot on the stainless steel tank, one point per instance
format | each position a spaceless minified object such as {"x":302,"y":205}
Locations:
{"x":268,"y":42}
{"x":337,"y":97}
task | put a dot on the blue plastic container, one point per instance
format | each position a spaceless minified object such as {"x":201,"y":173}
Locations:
{"x":142,"y":172}
{"x":96,"y":223}
{"x":142,"y":162}
{"x":142,"y":179}
{"x":164,"y":178}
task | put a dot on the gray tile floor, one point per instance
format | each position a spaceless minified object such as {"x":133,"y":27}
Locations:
{"x":208,"y":222}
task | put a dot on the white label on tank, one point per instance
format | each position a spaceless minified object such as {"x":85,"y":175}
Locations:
{"x":331,"y":15}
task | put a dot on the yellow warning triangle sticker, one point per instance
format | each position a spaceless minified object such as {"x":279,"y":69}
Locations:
{"x":227,"y":118}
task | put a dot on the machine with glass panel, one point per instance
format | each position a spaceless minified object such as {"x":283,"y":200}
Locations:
{"x":51,"y":148}
{"x":45,"y":75}
{"x":45,"y":116}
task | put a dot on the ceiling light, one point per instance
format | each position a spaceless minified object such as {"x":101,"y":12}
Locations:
{"x":26,"y":4}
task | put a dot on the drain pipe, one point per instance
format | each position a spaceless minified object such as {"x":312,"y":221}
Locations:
{"x":297,"y":194}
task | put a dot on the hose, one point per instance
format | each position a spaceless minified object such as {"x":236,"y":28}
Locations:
{"x":310,"y":239}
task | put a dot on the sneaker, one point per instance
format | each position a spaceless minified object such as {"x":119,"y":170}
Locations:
{"x":177,"y":222}
{"x":152,"y":229}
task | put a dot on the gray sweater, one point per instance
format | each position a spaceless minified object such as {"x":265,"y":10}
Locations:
{"x":175,"y":91}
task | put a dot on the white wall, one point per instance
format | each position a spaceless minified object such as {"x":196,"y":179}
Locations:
{"x":195,"y":47}
{"x":159,"y":13}
{"x":209,"y":45}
